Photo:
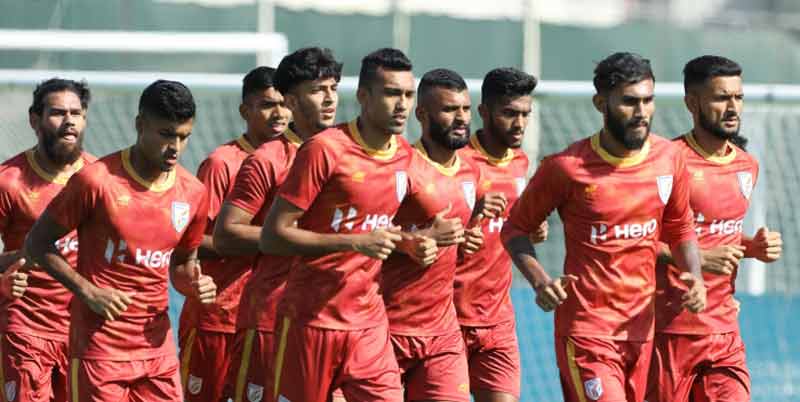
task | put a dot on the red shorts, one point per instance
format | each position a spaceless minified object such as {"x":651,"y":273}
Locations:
{"x":698,"y":368}
{"x":433,"y":367}
{"x":34,"y":369}
{"x":606,"y":370}
{"x":493,"y":357}
{"x":250,"y":370}
{"x":310,"y":362}
{"x":150,"y":380}
{"x":204,"y":355}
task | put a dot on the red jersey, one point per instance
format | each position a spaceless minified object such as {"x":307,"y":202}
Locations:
{"x":344,"y":186}
{"x":230,"y":274}
{"x":25,"y":191}
{"x":614,"y":211}
{"x":419,"y":300}
{"x":254,"y":190}
{"x":483,"y":279}
{"x":128,"y":228}
{"x":719,"y":198}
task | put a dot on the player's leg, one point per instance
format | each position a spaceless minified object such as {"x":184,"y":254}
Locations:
{"x":673,"y":366}
{"x":440,"y":372}
{"x":159,"y":380}
{"x":637,"y":356}
{"x":60,"y":373}
{"x":203,"y":357}
{"x":306,"y":359}
{"x":369,"y":370}
{"x":727,"y":380}
{"x":591,"y":369}
{"x":100,"y":381}
{"x":27,"y":368}
{"x":494,"y":362}
{"x":253,"y":381}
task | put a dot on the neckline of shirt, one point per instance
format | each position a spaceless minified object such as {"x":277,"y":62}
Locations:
{"x":149,"y":185}
{"x":447,"y":171}
{"x":501,"y":162}
{"x":59,"y":178}
{"x":620,"y":162}
{"x":380,"y":154}
{"x":720,"y":160}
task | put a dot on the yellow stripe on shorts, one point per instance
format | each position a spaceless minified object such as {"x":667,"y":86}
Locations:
{"x":73,"y":378}
{"x":574,"y":372}
{"x":186,"y":351}
{"x":244,"y":366}
{"x":280,"y":355}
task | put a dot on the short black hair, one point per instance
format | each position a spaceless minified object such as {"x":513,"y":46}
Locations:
{"x":701,"y":69}
{"x":258,"y":79}
{"x":440,"y":78}
{"x":506,"y":82}
{"x":44,"y":88}
{"x":168,"y":100}
{"x":621,"y":68}
{"x":306,"y":64}
{"x":386,"y":58}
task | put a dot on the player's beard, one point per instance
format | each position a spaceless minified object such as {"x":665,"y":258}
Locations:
{"x":506,"y":137}
{"x":618,"y":129}
{"x":442,"y":135}
{"x":58,"y":152}
{"x":717,"y":130}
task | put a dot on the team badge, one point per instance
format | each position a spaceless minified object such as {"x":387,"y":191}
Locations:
{"x":180,"y":215}
{"x":194,"y":384}
{"x":594,"y":387}
{"x":400,"y":184}
{"x":282,"y":398}
{"x":468,"y":188}
{"x":745,"y":183}
{"x":520,"y":182}
{"x":664,"y":187}
{"x":254,"y":392}
{"x":10,"y":389}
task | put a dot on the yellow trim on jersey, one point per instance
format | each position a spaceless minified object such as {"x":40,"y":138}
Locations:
{"x":617,"y":161}
{"x":158,"y":188}
{"x":500,"y":162}
{"x":380,"y":154}
{"x":186,"y":351}
{"x":722,"y":160}
{"x":280,"y":355}
{"x":447,"y":171}
{"x":574,"y":372}
{"x":73,"y":378}
{"x":246,"y":145}
{"x":60,"y":178}
{"x":244,"y":366}
{"x":2,"y":375}
{"x":293,"y":137}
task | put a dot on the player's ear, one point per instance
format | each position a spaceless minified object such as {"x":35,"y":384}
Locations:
{"x":691,"y":102}
{"x":419,"y":112}
{"x":139,"y":124}
{"x":243,"y":111}
{"x":362,"y":94}
{"x":33,"y":120}
{"x":599,"y":102}
{"x":483,"y":111}
{"x":290,"y":101}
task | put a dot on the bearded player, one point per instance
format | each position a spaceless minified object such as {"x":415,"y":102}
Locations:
{"x":701,"y":357}
{"x":140,"y":217}
{"x":207,"y":332}
{"x":617,"y":193}
{"x":483,"y":279}
{"x":308,"y":78}
{"x":34,"y":306}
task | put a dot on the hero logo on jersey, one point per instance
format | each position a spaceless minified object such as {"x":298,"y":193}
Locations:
{"x":254,"y":392}
{"x":400,"y":184}
{"x":468,"y":188}
{"x":664,"y":187}
{"x":745,"y":183}
{"x":180,"y":215}
{"x":520,"y":182}
{"x":594,"y":388}
{"x":10,"y":389}
{"x":194,"y":384}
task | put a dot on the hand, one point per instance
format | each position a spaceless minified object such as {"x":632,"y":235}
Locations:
{"x":421,"y":249}
{"x":722,"y":260}
{"x":14,"y":281}
{"x":492,"y":205}
{"x":473,"y":240}
{"x":552,"y":294}
{"x":694,"y":299}
{"x":447,"y":232}
{"x":379,"y":243}
{"x":203,"y":287}
{"x":766,"y":246}
{"x":540,"y":234}
{"x":109,"y":303}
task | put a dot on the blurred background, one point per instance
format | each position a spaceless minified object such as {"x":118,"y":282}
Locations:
{"x":557,"y":40}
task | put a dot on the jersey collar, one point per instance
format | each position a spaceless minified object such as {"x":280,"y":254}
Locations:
{"x":720,"y":160}
{"x":151,"y":186}
{"x":292,"y":137}
{"x":445,"y":170}
{"x":501,"y":162}
{"x":60,"y":178}
{"x":615,"y":160}
{"x":245,"y":145}
{"x":380,"y":154}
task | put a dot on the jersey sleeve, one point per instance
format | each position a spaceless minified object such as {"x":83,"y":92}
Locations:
{"x":311,"y":169}
{"x":213,"y":172}
{"x":75,"y":202}
{"x":545,"y":192}
{"x":678,"y":222}
{"x":252,"y":185}
{"x":193,"y":235}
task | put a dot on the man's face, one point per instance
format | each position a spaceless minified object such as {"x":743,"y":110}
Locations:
{"x":719,"y":105}
{"x":507,"y":119}
{"x":315,"y":102}
{"x":162,"y":141}
{"x":265,"y":113}
{"x":445,"y":116}
{"x":60,"y":127}
{"x":388,"y":100}
{"x":629,"y":112}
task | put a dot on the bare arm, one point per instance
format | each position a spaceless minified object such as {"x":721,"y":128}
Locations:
{"x":233,"y":233}
{"x":207,"y":250}
{"x":687,"y":258}
{"x":187,"y":278}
